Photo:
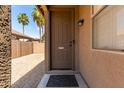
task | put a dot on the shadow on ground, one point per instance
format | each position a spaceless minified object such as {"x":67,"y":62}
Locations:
{"x":32,"y":78}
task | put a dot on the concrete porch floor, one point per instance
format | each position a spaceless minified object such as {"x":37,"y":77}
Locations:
{"x":46,"y":77}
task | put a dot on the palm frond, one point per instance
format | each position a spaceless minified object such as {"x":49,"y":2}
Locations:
{"x":38,"y":17}
{"x":23,"y":19}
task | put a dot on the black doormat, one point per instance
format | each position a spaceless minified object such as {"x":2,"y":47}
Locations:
{"x":62,"y":81}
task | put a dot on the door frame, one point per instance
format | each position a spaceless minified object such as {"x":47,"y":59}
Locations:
{"x":73,"y":34}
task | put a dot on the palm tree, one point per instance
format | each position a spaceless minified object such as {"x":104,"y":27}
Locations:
{"x":40,"y":21}
{"x":24,"y":20}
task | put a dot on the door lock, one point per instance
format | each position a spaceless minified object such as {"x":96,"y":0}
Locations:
{"x":71,"y":42}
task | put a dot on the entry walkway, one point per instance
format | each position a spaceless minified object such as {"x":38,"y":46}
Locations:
{"x":46,"y":78}
{"x":27,"y":70}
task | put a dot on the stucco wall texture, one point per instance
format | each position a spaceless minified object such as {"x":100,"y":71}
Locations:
{"x":5,"y":46}
{"x":100,"y":68}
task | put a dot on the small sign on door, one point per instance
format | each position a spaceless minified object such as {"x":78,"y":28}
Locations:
{"x":60,"y":47}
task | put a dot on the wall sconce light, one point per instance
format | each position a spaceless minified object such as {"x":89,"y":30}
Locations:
{"x":80,"y":22}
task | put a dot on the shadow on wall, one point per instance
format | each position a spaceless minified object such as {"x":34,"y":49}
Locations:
{"x":32,"y":78}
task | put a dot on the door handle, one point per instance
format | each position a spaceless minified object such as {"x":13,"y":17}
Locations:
{"x":70,"y":45}
{"x":72,"y":42}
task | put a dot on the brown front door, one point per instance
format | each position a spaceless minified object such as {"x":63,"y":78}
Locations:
{"x":62,"y":39}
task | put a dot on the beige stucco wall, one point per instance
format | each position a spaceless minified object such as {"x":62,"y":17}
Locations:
{"x":5,"y":46}
{"x":100,"y":68}
{"x":96,"y":8}
{"x":76,"y":62}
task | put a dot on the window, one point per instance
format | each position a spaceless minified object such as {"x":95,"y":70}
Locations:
{"x":108,"y":28}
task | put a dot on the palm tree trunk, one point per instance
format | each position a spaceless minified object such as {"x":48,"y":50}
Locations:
{"x":23,"y":31}
{"x":40,"y":33}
